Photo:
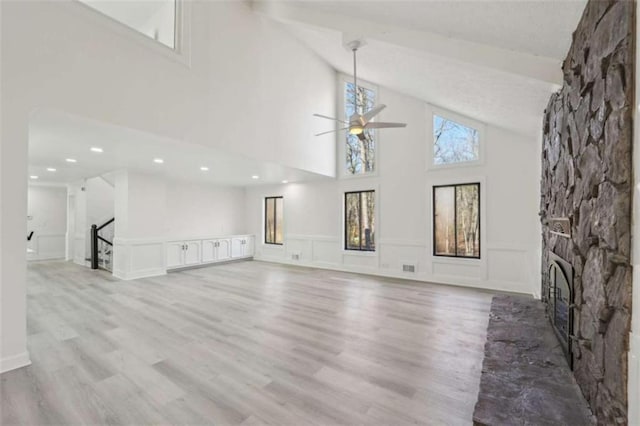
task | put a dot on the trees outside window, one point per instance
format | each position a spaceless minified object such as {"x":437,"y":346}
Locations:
{"x":453,"y":142}
{"x":360,"y":149}
{"x":456,"y":220}
{"x":359,"y":220}
{"x":273,"y":220}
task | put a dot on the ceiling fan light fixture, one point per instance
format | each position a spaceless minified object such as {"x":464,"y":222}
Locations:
{"x":356,"y":130}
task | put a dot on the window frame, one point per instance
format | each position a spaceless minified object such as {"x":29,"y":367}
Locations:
{"x":345,"y":221}
{"x":480,"y":127}
{"x":275,"y":219}
{"x":341,"y":139}
{"x":180,"y":53}
{"x":455,"y":214}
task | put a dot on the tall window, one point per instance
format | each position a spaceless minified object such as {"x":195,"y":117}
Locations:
{"x":360,"y":149}
{"x":453,"y":142}
{"x":155,"y":19}
{"x":456,"y":220}
{"x":273,"y":220}
{"x":359,"y":220}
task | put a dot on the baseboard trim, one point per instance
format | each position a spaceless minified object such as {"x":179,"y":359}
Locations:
{"x":206,"y":265}
{"x":485,"y":285}
{"x":145,"y":273}
{"x":14,"y":362}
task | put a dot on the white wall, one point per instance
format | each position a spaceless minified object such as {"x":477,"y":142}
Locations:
{"x":239,"y":83}
{"x":313,"y":213}
{"x":100,"y":201}
{"x":151,"y":210}
{"x":47,"y":218}
{"x":199,"y":210}
{"x":78,"y":236}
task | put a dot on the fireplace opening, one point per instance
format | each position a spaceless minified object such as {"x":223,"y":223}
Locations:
{"x":560,"y":302}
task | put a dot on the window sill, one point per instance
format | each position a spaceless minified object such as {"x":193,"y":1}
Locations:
{"x":465,"y":164}
{"x":455,"y":260}
{"x":362,"y":253}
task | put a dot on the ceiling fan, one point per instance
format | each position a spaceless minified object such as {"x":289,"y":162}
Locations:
{"x":358,"y":123}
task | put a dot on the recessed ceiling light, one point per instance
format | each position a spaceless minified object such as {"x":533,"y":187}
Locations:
{"x":255,"y":177}
{"x":158,"y":160}
{"x":33,"y":177}
{"x":51,"y":169}
{"x":204,"y":169}
{"x":71,"y":160}
{"x":285,"y":181}
{"x":96,"y":149}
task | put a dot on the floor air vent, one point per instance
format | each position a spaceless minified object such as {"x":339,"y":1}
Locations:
{"x":408,"y":268}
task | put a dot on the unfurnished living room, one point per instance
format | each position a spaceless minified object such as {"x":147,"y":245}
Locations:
{"x":309,"y":212}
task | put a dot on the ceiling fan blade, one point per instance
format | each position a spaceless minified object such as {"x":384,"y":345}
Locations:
{"x":381,"y":125}
{"x":330,"y":118}
{"x":331,"y":131}
{"x":373,"y":112}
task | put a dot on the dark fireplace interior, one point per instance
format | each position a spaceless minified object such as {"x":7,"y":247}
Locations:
{"x":560,"y":303}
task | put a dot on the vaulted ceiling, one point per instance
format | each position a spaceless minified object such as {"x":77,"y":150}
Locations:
{"x":495,"y":61}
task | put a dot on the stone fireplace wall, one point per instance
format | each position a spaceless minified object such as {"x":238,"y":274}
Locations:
{"x":586,"y":177}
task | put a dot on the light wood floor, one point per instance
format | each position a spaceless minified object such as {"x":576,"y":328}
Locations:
{"x":246,"y":343}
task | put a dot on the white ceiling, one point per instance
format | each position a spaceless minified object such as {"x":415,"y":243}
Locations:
{"x":494,"y":61}
{"x":538,"y":27}
{"x":55,"y":136}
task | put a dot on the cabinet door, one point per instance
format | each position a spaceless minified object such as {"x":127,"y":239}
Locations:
{"x":237,"y":247}
{"x":193,"y":254}
{"x":248,"y":246}
{"x":224,"y":249}
{"x":175,"y":254}
{"x":209,"y":250}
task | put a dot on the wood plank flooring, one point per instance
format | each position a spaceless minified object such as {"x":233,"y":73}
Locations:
{"x":247,"y":343}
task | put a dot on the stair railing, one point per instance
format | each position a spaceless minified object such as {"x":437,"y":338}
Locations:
{"x":101,"y":247}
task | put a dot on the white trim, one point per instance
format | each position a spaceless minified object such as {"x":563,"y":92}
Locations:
{"x":15,"y":361}
{"x":180,"y":53}
{"x":481,"y":127}
{"x":135,"y":275}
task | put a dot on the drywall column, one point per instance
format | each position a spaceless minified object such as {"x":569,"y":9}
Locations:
{"x":633,"y":385}
{"x":140,"y":211}
{"x":13,"y":242}
{"x":80,"y":232}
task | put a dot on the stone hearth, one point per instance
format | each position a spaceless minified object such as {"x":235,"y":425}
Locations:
{"x":525,"y":377}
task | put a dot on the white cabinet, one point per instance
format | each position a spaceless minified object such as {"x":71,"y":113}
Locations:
{"x":196,"y":252}
{"x":216,"y":250}
{"x":183,"y":253}
{"x":175,"y":254}
{"x":242,"y":246}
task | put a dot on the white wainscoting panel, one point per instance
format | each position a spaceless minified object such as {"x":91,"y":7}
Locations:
{"x":138,"y":258}
{"x":511,"y":269}
{"x":326,"y":251}
{"x":47,"y":246}
{"x":79,"y":250}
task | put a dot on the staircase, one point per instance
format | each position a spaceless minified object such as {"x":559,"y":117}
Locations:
{"x":102,"y":245}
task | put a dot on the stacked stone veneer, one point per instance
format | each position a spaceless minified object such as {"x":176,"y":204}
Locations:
{"x":586,"y":176}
